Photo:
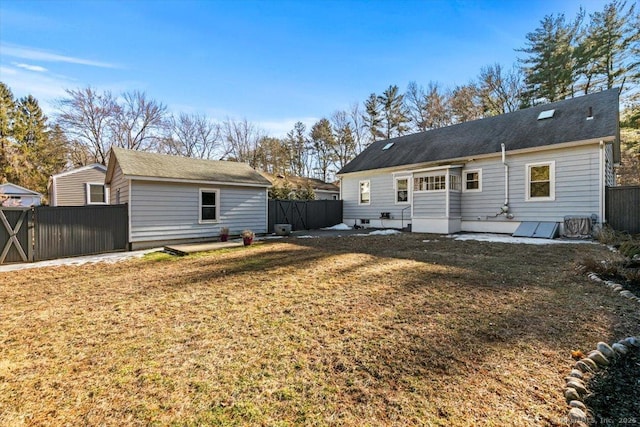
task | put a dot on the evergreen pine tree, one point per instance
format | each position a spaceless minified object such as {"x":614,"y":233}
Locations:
{"x":371,"y":118}
{"x":394,"y":114}
{"x":549,"y":68}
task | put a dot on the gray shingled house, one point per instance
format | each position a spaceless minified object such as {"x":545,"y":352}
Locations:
{"x":175,"y":199}
{"x":79,"y":187}
{"x":543,"y":163}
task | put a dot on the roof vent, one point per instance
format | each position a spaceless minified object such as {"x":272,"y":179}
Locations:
{"x":389,"y":145}
{"x":590,"y":114}
{"x":546,"y":114}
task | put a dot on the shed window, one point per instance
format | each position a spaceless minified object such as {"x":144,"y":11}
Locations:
{"x":96,"y":194}
{"x":365,"y":192}
{"x":540,"y":181}
{"x":209,"y":205}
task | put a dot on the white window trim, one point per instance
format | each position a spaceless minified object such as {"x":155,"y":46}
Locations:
{"x":464,"y":181}
{"x":208,"y":190}
{"x":440,"y":173}
{"x":552,"y":181}
{"x":87,"y":188}
{"x":360,"y":202}
{"x":395,"y":189}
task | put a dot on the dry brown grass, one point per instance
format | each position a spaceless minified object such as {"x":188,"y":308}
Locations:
{"x":335,"y":331}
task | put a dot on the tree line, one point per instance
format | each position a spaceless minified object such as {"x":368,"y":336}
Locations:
{"x":561,"y":59}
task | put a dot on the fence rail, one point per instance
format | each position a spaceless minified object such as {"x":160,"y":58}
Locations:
{"x":44,"y":232}
{"x":623,"y":208}
{"x":305,"y":214}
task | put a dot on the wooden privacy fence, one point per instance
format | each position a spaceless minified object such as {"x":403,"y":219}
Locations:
{"x":305,"y":214}
{"x":623,"y":208}
{"x":44,"y":232}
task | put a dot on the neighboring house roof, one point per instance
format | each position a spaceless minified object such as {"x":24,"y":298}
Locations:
{"x":517,"y":130}
{"x":53,"y":178}
{"x":163,"y":167}
{"x":10,"y":189}
{"x":81,"y":169}
{"x":300,"y":182}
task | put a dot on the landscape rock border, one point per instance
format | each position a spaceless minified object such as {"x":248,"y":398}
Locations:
{"x":600,"y":358}
{"x":615,"y":287}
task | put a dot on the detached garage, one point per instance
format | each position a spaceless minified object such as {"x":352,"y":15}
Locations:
{"x":174,"y":199}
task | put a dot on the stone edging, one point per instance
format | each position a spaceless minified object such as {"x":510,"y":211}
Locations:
{"x":616,"y":287}
{"x":575,"y":388}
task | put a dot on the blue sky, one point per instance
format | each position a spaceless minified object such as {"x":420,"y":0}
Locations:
{"x":271,"y":62}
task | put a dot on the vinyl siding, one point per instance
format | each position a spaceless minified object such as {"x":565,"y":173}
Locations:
{"x":455,"y":207}
{"x":576,"y":189}
{"x":71,"y":190}
{"x":168,"y":211}
{"x":382,"y":197}
{"x":118,"y":182}
{"x":429,"y":204}
{"x":576,"y":186}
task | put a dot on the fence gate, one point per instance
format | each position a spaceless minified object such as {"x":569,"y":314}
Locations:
{"x":16,"y":235}
{"x":623,"y":208}
{"x":305,"y":214}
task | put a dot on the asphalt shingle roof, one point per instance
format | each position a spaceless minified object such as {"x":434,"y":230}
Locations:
{"x":517,"y":130}
{"x":153,"y":165}
{"x":300,"y":182}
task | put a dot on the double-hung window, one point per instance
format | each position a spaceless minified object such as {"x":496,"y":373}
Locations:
{"x":402,"y":190}
{"x":540,"y":181}
{"x":365,"y":193}
{"x":472,"y":180}
{"x":209,"y":205}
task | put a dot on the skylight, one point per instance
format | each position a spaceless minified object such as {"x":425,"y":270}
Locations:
{"x":389,"y":145}
{"x":546,"y":114}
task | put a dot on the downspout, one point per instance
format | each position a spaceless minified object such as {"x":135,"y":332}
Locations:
{"x":602,"y":183}
{"x":505,"y":207}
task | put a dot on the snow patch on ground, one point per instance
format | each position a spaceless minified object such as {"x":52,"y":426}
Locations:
{"x":504,"y":238}
{"x":341,"y":226}
{"x":91,"y":259}
{"x":384,"y":232}
{"x":308,"y":237}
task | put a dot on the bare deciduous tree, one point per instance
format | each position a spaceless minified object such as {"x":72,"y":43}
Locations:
{"x":193,"y":135}
{"x":465,"y":103}
{"x":99,"y":120}
{"x":501,"y":91}
{"x":241,"y":140}
{"x":138,"y":122}
{"x":344,"y":148}
{"x":85,"y":116}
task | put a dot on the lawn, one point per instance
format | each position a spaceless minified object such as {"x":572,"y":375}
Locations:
{"x":385,"y":330}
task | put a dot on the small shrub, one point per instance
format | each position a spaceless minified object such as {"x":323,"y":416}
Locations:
{"x":608,"y":236}
{"x":606,"y":267}
{"x":630,"y":248}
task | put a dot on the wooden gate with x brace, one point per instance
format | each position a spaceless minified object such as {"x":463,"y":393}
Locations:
{"x":17,"y":233}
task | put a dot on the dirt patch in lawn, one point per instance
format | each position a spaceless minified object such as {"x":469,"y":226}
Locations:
{"x":384,"y":330}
